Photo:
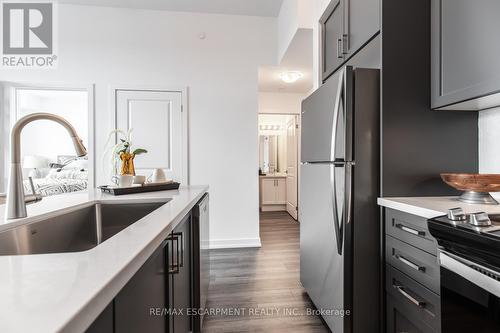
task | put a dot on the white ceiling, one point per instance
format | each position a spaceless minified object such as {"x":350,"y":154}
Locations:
{"x":298,"y":57}
{"x":268,"y":8}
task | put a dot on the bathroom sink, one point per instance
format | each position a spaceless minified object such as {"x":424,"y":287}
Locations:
{"x":75,"y":231}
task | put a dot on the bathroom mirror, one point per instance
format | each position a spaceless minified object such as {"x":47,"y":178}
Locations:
{"x":272,"y":153}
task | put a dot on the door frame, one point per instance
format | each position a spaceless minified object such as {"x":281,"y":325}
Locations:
{"x":9,"y":89}
{"x":299,"y":133}
{"x":113,"y":89}
{"x":295,"y":121}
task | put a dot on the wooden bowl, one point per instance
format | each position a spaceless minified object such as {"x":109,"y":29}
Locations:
{"x":473,"y":181}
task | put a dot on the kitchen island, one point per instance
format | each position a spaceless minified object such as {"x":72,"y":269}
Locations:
{"x":66,"y":292}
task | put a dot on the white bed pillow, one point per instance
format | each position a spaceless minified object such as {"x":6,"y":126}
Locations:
{"x":78,"y":164}
{"x":68,"y":174}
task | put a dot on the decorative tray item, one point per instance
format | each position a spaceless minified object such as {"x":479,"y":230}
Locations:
{"x":148,"y":187}
{"x":476,"y":187}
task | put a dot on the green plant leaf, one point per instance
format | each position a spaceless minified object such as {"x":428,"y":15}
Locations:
{"x":139,"y":151}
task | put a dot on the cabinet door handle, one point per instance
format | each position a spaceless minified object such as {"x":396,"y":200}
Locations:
{"x":410,"y":230}
{"x":181,"y":256}
{"x":340,"y":55}
{"x":402,"y":291}
{"x":174,"y":266}
{"x":409,"y":263}
{"x":345,"y":44}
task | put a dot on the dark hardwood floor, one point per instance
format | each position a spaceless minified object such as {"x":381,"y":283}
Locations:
{"x":262,"y":284}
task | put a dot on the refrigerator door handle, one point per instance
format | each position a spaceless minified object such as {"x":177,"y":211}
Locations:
{"x":336,"y":225}
{"x":348,"y":191}
{"x":340,"y":94}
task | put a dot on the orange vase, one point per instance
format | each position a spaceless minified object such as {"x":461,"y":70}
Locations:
{"x":127,"y":167}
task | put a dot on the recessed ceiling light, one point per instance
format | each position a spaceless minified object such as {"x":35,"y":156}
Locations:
{"x":291,"y":77}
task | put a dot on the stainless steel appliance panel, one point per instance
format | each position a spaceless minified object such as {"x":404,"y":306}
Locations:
{"x":327,"y":120}
{"x":470,"y":296}
{"x":321,"y":261}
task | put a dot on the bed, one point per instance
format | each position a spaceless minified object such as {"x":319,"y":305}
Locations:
{"x":70,"y":176}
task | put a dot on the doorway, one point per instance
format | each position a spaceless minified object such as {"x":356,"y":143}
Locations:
{"x":279,"y":137}
{"x":49,"y":163}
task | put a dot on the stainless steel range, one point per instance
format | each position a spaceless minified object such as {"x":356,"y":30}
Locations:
{"x":469,"y":256}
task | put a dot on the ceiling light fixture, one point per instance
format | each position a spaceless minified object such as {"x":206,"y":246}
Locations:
{"x":291,"y":77}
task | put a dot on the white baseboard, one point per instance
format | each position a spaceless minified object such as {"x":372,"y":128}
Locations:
{"x":273,"y":208}
{"x":234,"y":243}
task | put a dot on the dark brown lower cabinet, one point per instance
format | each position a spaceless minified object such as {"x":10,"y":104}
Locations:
{"x":182,"y":277}
{"x":158,"y":297}
{"x":140,"y":305}
{"x":411,"y":307}
{"x":103,"y":323}
{"x":398,"y":321}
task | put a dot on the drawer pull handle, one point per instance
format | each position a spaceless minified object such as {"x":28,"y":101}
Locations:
{"x":410,"y":230}
{"x":409,"y":297}
{"x":410,"y":264}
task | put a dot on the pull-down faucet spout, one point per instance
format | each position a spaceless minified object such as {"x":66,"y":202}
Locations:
{"x":16,"y":204}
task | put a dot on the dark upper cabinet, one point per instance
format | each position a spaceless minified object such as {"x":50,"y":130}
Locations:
{"x":332,"y":31}
{"x":346,"y":26}
{"x":362,"y":22}
{"x":465,"y":54}
{"x":148,"y":290}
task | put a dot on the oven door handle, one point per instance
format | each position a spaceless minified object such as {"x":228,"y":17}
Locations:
{"x":481,"y":276}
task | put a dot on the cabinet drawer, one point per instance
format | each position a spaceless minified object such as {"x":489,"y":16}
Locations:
{"x":415,"y":302}
{"x":411,"y":229}
{"x":398,"y":321}
{"x":418,"y":264}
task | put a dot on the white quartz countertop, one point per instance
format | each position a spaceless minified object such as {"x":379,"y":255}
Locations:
{"x":65,"y":292}
{"x":430,"y":207}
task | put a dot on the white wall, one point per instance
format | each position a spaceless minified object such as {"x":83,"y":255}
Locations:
{"x":109,"y":46}
{"x":284,"y":103}
{"x":489,"y":141}
{"x":294,"y":15}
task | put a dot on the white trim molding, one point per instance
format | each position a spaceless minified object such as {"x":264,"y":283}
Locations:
{"x":234,"y":243}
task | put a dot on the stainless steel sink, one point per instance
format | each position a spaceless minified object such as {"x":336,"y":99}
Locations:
{"x":75,"y":231}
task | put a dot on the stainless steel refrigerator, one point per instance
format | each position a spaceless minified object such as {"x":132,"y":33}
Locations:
{"x":338,"y":214}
